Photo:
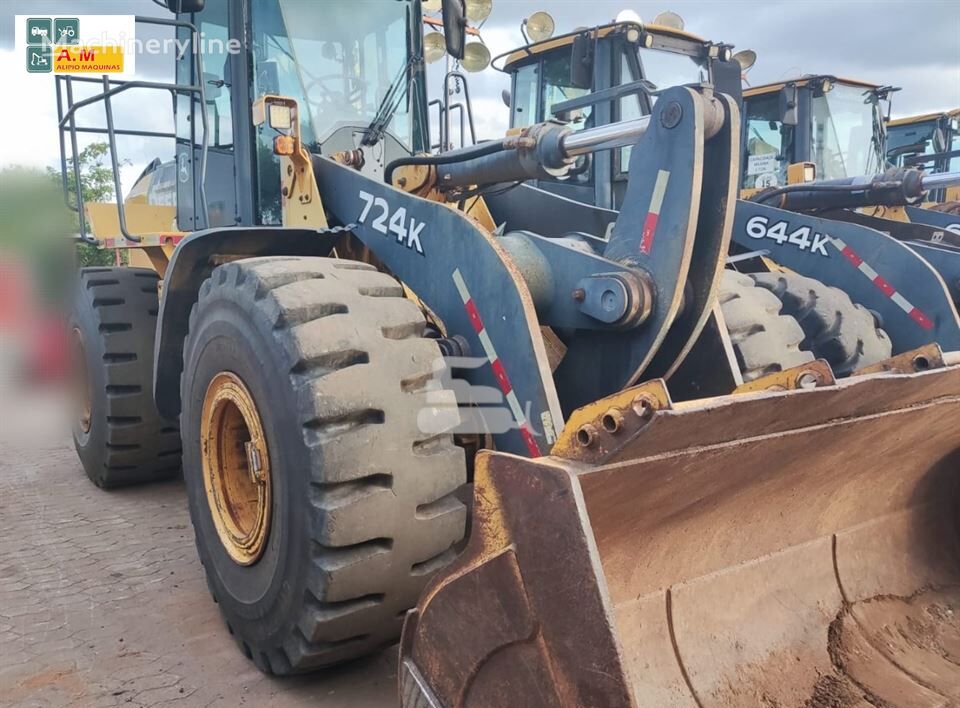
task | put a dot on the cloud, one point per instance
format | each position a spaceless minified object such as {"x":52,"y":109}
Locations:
{"x":30,"y":135}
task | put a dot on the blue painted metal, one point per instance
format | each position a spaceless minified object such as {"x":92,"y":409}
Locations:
{"x":654,"y":232}
{"x":527,"y":208}
{"x":568,"y":268}
{"x":900,"y":230}
{"x":945,"y":260}
{"x":718,"y":197}
{"x":814,"y":247}
{"x":938,"y":219}
{"x":429,"y":247}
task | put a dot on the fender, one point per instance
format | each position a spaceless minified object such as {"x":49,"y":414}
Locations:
{"x":193,"y":261}
{"x":937,"y":219}
{"x":878,"y":271}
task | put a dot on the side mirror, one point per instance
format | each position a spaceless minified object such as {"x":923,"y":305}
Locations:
{"x":789,"y":98}
{"x":179,"y":6}
{"x":581,"y":62}
{"x":455,"y":26}
{"x":505,"y":97}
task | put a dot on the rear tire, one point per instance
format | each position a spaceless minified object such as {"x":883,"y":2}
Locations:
{"x":764,"y":340}
{"x":121,"y":439}
{"x":362,"y":503}
{"x":834,"y":327}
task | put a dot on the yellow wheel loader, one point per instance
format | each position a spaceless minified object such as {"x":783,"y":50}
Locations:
{"x":348,"y":330}
{"x":931,"y":140}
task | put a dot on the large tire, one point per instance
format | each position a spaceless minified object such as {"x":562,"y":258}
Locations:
{"x":123,"y":440}
{"x":834,"y":327}
{"x":764,"y":340}
{"x":363,"y":506}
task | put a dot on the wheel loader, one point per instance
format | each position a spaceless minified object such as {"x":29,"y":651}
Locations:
{"x":812,"y":129}
{"x":932,"y":140}
{"x":334,"y":304}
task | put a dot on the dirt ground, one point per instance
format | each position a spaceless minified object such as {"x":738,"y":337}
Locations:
{"x":102,"y":598}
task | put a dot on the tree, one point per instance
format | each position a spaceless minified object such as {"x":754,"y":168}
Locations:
{"x":96,"y":184}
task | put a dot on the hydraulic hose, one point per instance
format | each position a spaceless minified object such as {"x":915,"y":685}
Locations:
{"x":474,"y":151}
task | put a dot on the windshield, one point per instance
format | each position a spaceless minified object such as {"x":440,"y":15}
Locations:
{"x":667,"y":69}
{"x":339,"y":61}
{"x":557,"y":88}
{"x":847,"y":132}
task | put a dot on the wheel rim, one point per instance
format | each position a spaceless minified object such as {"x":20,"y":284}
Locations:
{"x":236,"y":468}
{"x":81,"y":378}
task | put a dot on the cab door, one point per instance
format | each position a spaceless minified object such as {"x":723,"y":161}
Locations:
{"x":218,"y":69}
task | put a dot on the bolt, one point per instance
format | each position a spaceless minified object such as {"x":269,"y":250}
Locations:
{"x":579,"y":294}
{"x":612,"y":420}
{"x":289,"y":169}
{"x":643,"y":407}
{"x":808,"y":379}
{"x":402,"y":182}
{"x":671,"y":115}
{"x":586,"y":435}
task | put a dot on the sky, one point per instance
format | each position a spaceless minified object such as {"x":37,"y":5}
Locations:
{"x":914,"y":44}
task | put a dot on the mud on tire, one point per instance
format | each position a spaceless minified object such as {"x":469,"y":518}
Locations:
{"x":124,"y":441}
{"x":834,"y":327}
{"x":764,"y":340}
{"x":363,"y":503}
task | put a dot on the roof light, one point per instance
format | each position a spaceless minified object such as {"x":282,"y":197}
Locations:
{"x":745,"y":58}
{"x":540,"y":26}
{"x":478,"y":10}
{"x":669,"y":19}
{"x":434,"y":46}
{"x":476,"y":57}
{"x":628,"y":16}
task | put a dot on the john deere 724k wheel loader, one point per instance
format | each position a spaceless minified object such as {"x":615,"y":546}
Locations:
{"x":624,"y":549}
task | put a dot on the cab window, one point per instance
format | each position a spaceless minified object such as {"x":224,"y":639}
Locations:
{"x":525,"y":88}
{"x":767,"y":141}
{"x":557,"y":88}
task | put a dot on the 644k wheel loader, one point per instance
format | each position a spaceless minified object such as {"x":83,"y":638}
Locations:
{"x":341,"y":323}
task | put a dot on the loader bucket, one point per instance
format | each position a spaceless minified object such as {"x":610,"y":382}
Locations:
{"x":791,"y":548}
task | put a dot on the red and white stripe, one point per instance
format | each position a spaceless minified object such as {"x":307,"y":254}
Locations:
{"x":653,"y":213}
{"x":502,"y":379}
{"x":882,"y":285}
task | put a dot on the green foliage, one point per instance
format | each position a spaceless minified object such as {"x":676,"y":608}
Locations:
{"x":96,"y":174}
{"x":96,"y":183}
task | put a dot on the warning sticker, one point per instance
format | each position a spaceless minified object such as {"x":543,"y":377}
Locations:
{"x":762,"y":164}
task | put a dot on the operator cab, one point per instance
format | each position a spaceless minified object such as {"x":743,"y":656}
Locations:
{"x":554,"y":71}
{"x":931,"y":141}
{"x":836,"y":124}
{"x":355,"y":69}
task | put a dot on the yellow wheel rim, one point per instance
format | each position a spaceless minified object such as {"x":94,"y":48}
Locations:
{"x":236,"y":468}
{"x":81,"y":382}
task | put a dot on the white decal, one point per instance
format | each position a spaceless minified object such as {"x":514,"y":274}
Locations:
{"x":804,"y":238}
{"x":762,"y":164}
{"x":397,"y":224}
{"x":767,"y":180}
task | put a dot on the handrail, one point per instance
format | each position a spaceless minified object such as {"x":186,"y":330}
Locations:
{"x":112,"y":87}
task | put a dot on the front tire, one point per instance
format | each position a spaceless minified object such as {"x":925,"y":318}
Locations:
{"x":362,"y":506}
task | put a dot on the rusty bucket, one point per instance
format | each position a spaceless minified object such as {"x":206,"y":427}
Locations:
{"x":791,"y":548}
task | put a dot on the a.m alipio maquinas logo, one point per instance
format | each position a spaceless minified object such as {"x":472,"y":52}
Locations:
{"x":54,"y":45}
